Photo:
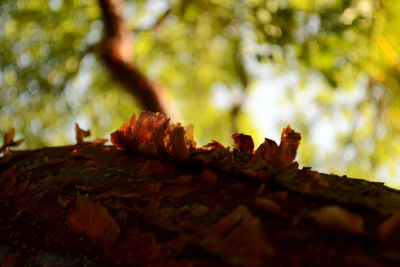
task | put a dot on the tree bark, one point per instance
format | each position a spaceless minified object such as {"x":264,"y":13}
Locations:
{"x":97,"y":205}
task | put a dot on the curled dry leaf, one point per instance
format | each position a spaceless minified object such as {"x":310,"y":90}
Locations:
{"x":287,"y":149}
{"x":244,"y":142}
{"x":9,"y":140}
{"x":92,"y":219}
{"x":213,"y":145}
{"x":339,"y":219}
{"x":179,"y":149}
{"x":80,"y":134}
{"x":266,"y":150}
{"x":149,"y":127}
{"x":151,"y":133}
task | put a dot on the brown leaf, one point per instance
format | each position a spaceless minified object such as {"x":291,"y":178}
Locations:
{"x":339,"y":219}
{"x":135,"y":248}
{"x":287,"y":149}
{"x":92,"y":219}
{"x":267,"y":204}
{"x":237,"y":238}
{"x":244,"y":142}
{"x":91,"y":189}
{"x":207,"y":176}
{"x":8,"y":140}
{"x":125,"y":137}
{"x":8,"y":173}
{"x":183,"y":179}
{"x":388,"y":226}
{"x":19,"y":188}
{"x":149,"y":127}
{"x":9,"y":136}
{"x":266,"y":150}
{"x":14,"y":259}
{"x":80,"y":134}
{"x":178,"y":190}
{"x":213,"y":145}
{"x":179,"y":149}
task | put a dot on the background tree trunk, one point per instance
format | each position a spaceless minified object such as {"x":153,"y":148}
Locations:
{"x":116,"y":52}
{"x":96,"y":205}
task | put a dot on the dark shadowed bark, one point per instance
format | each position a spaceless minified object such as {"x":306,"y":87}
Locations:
{"x":96,"y":205}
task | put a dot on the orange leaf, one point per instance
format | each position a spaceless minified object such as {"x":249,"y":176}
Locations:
{"x":179,"y":149}
{"x":266,"y":150}
{"x":287,"y":150}
{"x":8,"y":140}
{"x":8,"y":137}
{"x":80,"y":134}
{"x":213,"y":145}
{"x":244,"y":142}
{"x":92,"y":219}
{"x":149,"y":127}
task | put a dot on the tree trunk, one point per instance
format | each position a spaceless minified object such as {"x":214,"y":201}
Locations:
{"x":97,"y":205}
{"x":116,"y":52}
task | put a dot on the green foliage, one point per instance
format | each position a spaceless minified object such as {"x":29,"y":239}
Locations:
{"x":50,"y":75}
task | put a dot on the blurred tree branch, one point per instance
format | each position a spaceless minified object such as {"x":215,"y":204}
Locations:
{"x":116,"y":52}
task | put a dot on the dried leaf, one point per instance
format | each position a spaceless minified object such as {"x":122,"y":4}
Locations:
{"x":287,"y":149}
{"x":152,"y":188}
{"x":244,"y":142}
{"x":92,"y":219}
{"x":279,"y":196}
{"x":19,"y":188}
{"x":135,"y":248}
{"x":14,"y":259}
{"x":80,"y":134}
{"x":91,"y":189}
{"x":213,"y":145}
{"x":183,"y":179}
{"x":147,"y":148}
{"x":179,"y":149}
{"x":266,"y":150}
{"x":207,"y":176}
{"x":189,"y":131}
{"x":237,"y":238}
{"x":9,"y":136}
{"x":339,"y":219}
{"x":149,"y":127}
{"x":388,"y":226}
{"x":178,"y":190}
{"x":267,"y":204}
{"x":8,"y":173}
{"x":9,"y":140}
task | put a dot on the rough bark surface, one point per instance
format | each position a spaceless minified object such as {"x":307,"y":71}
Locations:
{"x":99,"y":206}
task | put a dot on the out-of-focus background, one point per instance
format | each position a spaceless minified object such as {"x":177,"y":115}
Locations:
{"x":328,"y":68}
